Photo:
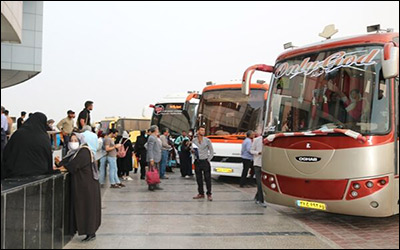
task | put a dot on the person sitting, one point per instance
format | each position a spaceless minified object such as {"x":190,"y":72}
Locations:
{"x":353,"y":105}
{"x":29,"y":153}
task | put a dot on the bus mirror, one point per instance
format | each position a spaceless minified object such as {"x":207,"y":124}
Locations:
{"x":246,"y":82}
{"x":390,"y":61}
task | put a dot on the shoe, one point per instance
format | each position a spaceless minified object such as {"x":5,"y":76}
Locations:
{"x":115,"y":186}
{"x":187,"y":177}
{"x":158,"y":188}
{"x":151,"y":188}
{"x":199,"y":196}
{"x":262,"y":204}
{"x":209,"y":198}
{"x":121,"y":185}
{"x":89,"y":238}
{"x":143,"y":178}
{"x":164,"y":178}
{"x":129,"y":178}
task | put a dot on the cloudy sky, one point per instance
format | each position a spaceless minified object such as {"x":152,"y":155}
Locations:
{"x":127,"y":55}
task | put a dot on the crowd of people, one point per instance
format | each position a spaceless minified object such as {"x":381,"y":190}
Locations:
{"x":87,"y":155}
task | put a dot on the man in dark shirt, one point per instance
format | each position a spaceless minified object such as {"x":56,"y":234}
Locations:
{"x":84,"y":115}
{"x":21,"y":120}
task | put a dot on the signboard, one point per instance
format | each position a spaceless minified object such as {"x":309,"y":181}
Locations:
{"x":331,"y":63}
{"x":170,"y":108}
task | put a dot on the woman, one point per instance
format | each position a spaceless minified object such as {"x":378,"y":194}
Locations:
{"x":125,"y":164}
{"x":85,"y":188}
{"x":141,"y":153}
{"x":186,"y":161}
{"x":28,"y":153}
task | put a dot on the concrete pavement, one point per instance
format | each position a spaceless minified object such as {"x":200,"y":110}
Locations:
{"x":133,"y":217}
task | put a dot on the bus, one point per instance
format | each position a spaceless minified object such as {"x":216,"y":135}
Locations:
{"x":177,"y":112}
{"x":331,"y":129}
{"x":227,"y":115}
{"x":132,"y":125}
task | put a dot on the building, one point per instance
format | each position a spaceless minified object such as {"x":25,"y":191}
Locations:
{"x":21,"y":41}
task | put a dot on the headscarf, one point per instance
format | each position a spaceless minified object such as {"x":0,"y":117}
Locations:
{"x":73,"y":153}
{"x":29,"y":153}
{"x":91,"y":139}
{"x":125,"y":135}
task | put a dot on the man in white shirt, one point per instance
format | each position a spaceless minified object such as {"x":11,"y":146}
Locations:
{"x":256,"y":151}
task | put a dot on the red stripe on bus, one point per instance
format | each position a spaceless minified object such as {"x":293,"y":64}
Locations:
{"x":312,"y":189}
{"x":327,"y":142}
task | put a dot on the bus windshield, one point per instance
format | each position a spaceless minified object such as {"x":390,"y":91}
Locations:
{"x":229,"y":112}
{"x":171,"y":116}
{"x":342,"y":88}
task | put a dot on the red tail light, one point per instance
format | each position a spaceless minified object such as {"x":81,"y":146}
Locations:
{"x":363,"y":188}
{"x":269,"y":180}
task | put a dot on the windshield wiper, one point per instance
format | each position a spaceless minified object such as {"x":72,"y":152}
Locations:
{"x":322,"y":131}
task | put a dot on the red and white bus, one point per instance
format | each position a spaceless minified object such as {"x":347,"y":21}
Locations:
{"x":228,"y":114}
{"x":332,"y":129}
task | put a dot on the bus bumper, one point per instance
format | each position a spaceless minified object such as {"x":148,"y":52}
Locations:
{"x":385,"y":198}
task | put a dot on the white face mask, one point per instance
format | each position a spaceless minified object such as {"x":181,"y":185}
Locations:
{"x":73,"y":145}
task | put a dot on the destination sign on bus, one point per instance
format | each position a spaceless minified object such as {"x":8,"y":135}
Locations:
{"x":174,"y":107}
{"x":331,"y":63}
{"x":170,"y":108}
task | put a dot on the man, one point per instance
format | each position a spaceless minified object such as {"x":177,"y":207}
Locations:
{"x":84,"y":115}
{"x":111,"y":149}
{"x":166,"y":148}
{"x":247,"y":157}
{"x":10,"y":124}
{"x":154,"y":147}
{"x":204,"y":152}
{"x":256,"y":150}
{"x":21,"y":120}
{"x":4,"y":129}
{"x":66,"y":127}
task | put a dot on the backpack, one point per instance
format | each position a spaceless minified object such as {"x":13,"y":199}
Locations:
{"x":122,"y":150}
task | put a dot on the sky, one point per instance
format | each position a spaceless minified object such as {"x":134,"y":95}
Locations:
{"x":127,"y":55}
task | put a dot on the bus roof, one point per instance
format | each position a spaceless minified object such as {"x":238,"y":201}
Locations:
{"x":235,"y":86}
{"x":174,"y":98}
{"x":377,"y":38}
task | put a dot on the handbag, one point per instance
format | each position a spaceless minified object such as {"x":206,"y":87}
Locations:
{"x":152,"y":176}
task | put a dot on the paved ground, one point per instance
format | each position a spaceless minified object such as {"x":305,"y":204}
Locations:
{"x":136,"y":218}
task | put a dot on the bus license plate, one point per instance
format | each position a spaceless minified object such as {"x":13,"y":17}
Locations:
{"x":224,"y":170}
{"x":311,"y":204}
